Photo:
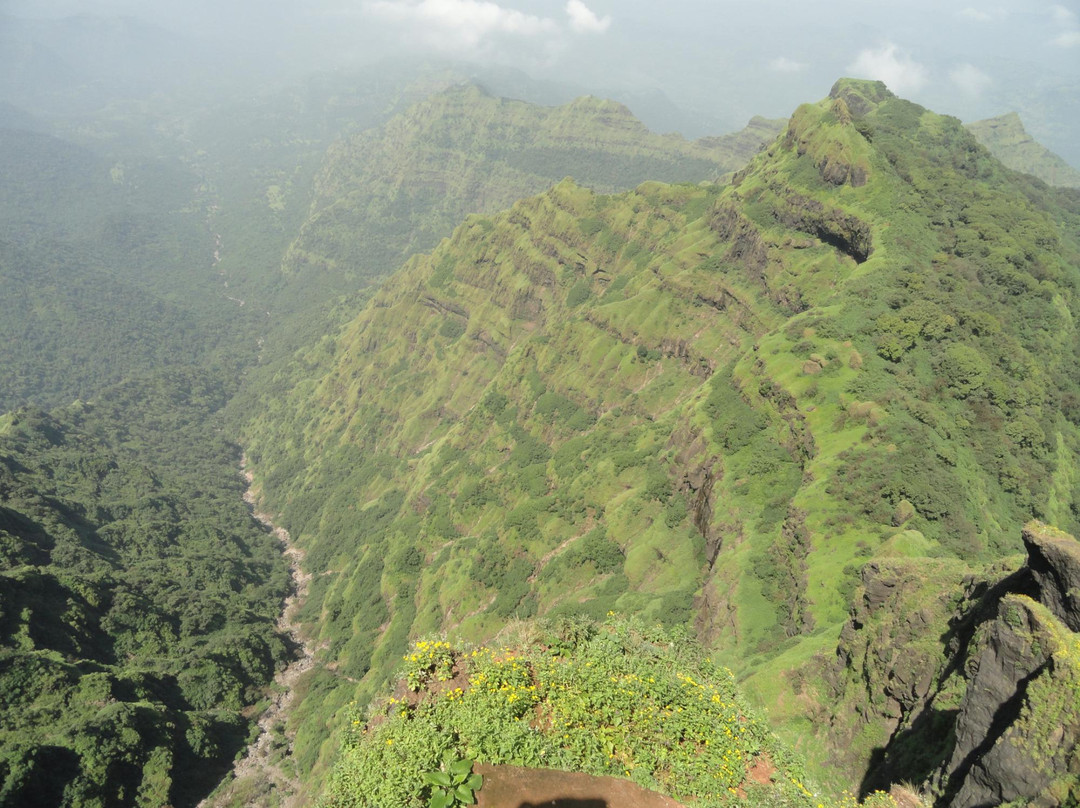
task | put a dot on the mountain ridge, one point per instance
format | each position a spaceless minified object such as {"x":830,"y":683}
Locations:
{"x":382,"y":196}
{"x":700,"y":404}
{"x":1007,"y":138}
{"x":806,"y":415}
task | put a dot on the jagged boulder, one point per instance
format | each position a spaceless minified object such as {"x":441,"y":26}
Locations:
{"x":972,"y":678}
{"x":888,"y":662}
{"x":1011,"y":742}
{"x":1054,"y":561}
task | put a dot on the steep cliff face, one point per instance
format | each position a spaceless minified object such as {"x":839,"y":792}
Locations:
{"x":969,"y":683}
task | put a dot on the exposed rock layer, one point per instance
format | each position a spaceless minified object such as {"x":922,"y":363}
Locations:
{"x":996,"y":717}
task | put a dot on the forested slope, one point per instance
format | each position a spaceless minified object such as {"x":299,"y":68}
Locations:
{"x":138,"y":598}
{"x":100,"y":270}
{"x":708,"y":406}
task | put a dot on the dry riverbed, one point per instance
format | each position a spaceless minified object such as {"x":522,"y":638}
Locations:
{"x":262,"y":777}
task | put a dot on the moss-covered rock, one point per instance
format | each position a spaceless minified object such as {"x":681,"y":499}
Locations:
{"x":967,"y":683}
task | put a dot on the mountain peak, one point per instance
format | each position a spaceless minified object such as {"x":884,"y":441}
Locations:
{"x":826,"y":132}
{"x":606,"y":106}
{"x":860,"y":95}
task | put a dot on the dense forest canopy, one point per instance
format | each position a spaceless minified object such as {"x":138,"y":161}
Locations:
{"x":139,"y":598}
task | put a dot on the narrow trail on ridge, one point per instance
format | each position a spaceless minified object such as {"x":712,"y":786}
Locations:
{"x":258,"y":777}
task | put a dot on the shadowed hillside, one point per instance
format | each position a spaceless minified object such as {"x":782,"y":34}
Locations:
{"x":138,"y":599}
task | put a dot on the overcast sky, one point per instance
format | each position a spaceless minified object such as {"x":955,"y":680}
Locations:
{"x":732,"y":58}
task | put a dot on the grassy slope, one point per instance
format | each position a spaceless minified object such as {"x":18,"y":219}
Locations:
{"x":699,"y":405}
{"x":386,"y":194}
{"x":1007,"y":140}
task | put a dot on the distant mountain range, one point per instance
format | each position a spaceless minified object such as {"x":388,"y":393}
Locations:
{"x":1006,"y":137}
{"x":384,"y":195}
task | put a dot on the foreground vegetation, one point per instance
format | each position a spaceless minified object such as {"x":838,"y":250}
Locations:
{"x":619,"y":699}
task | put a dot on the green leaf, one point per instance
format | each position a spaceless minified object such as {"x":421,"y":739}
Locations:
{"x":459,"y":768}
{"x":441,"y":799}
{"x":464,"y":795}
{"x":475,"y":781}
{"x":437,"y":779}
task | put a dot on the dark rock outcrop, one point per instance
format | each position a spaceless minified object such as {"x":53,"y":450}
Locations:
{"x":972,"y":680}
{"x":845,"y":232}
{"x":1054,"y":561}
{"x":989,"y":764}
{"x":747,"y":247}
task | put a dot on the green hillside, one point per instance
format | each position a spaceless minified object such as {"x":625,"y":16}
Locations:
{"x":1008,"y":141}
{"x":131,"y":258}
{"x":386,"y":194}
{"x":708,"y":406}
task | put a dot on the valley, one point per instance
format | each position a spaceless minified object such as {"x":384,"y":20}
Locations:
{"x":261,"y":764}
{"x":744,"y":468}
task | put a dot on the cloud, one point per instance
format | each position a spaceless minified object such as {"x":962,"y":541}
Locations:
{"x":982,"y":15}
{"x":584,"y":21}
{"x":782,"y":64}
{"x":1062,"y":15}
{"x":459,"y":24}
{"x":891,"y":65}
{"x":969,"y":79}
{"x":1066,"y":19}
